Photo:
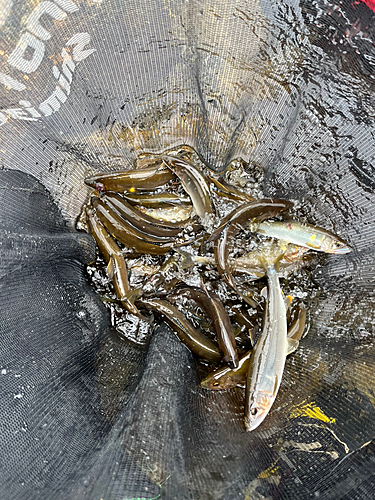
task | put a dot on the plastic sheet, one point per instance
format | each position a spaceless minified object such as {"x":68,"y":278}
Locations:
{"x":85,"y":87}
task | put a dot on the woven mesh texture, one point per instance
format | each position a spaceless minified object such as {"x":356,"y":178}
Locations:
{"x":88,"y":85}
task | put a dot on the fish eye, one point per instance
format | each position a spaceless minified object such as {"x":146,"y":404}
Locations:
{"x":254,"y":411}
{"x":215,"y":384}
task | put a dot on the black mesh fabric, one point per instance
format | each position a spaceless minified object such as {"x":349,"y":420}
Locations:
{"x":88,"y":85}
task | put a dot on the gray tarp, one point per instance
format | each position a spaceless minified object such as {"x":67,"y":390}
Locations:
{"x":86,"y":86}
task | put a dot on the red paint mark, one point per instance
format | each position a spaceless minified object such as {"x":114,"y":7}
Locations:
{"x":370,"y":3}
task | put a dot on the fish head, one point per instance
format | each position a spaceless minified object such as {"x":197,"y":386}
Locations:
{"x":338,"y":246}
{"x":222,"y":383}
{"x":93,"y":182}
{"x":259,"y":408}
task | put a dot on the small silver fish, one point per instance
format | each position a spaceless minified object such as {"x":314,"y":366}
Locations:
{"x":269,"y":355}
{"x":304,"y":235}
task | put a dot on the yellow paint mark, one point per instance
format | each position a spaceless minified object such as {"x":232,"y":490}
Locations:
{"x":311,"y":411}
{"x":269,"y":472}
{"x":132,"y":190}
{"x":313,"y":237}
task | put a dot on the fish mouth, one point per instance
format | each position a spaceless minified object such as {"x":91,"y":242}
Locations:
{"x":251,"y":423}
{"x":342,"y":250}
{"x":91,"y":181}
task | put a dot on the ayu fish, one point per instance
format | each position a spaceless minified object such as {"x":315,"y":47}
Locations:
{"x":255,"y":211}
{"x":226,"y":378}
{"x":267,"y":361}
{"x":304,"y":235}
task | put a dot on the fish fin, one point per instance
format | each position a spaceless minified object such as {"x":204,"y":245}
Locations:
{"x":111,"y":268}
{"x":203,"y":287}
{"x":291,"y":346}
{"x":187,"y":260}
{"x":267,"y":263}
{"x":249,"y":300}
{"x":128,"y":300}
{"x":297,"y":328}
{"x":288,"y":300}
{"x":283,"y":244}
{"x":275,"y":384}
{"x":253,"y":332}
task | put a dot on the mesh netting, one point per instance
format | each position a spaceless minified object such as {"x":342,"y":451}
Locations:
{"x":88,"y":85}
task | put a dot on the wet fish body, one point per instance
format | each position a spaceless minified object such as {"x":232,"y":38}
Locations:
{"x":142,"y":221}
{"x":192,"y":338}
{"x":304,"y":235}
{"x":214,"y":308}
{"x":255,"y":211}
{"x":252,"y":212}
{"x":128,"y":235}
{"x":225,"y":190}
{"x":194,"y":184}
{"x":114,"y":258}
{"x":157,"y":200}
{"x":143,"y":179}
{"x":268,"y":360}
{"x":226,"y":378}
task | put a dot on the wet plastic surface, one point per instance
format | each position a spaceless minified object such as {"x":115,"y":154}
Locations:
{"x":288,"y":86}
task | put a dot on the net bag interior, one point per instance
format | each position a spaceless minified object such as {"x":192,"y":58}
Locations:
{"x":85,"y":87}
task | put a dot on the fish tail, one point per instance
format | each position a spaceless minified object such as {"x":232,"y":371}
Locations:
{"x":128,"y":300}
{"x":187,"y":260}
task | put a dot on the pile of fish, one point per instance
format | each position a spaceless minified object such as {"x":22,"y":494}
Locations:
{"x":196,"y":246}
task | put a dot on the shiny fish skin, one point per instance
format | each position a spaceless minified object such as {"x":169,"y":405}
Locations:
{"x":192,"y":338}
{"x":225,"y":378}
{"x":252,"y":263}
{"x":246,"y":213}
{"x":142,"y":221}
{"x":255,"y":211}
{"x":157,"y":200}
{"x":225,"y":190}
{"x":143,"y":179}
{"x":268,"y":359}
{"x":113,"y":256}
{"x":194,"y":184}
{"x":128,"y":235}
{"x":304,"y":235}
{"x":106,"y":244}
{"x":213,"y":307}
{"x":295,"y":330}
